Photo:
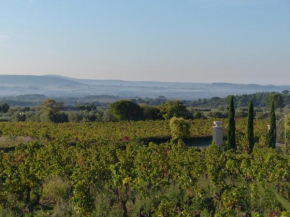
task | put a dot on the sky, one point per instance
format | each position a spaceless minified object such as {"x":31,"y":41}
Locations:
{"x":236,"y":41}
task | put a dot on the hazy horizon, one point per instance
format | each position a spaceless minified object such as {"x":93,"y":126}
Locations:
{"x":197,"y":41}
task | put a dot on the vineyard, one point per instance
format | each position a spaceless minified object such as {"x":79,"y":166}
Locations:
{"x":116,"y":131}
{"x":106,"y":169}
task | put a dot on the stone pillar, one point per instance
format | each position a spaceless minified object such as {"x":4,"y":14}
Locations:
{"x":217,"y":135}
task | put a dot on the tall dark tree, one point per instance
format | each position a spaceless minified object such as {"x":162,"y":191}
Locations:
{"x":231,"y":126}
{"x":272,"y":130}
{"x":250,"y":127}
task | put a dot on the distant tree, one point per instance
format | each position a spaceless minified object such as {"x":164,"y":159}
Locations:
{"x":285,"y":91}
{"x":278,"y":100}
{"x":126,"y":110}
{"x":50,"y":106}
{"x":4,"y":107}
{"x":106,"y":116}
{"x":51,"y":111}
{"x":231,"y":126}
{"x":89,"y":107}
{"x":173,"y":109}
{"x":198,"y":115}
{"x":89,"y":116}
{"x":180,"y":128}
{"x":151,"y":113}
{"x":75,"y":116}
{"x":272,"y":130}
{"x":250,"y":127}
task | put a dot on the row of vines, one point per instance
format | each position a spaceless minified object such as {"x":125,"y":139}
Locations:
{"x":116,"y":131}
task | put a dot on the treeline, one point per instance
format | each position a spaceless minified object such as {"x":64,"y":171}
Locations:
{"x":143,"y":109}
{"x":124,"y":110}
{"x":259,"y":100}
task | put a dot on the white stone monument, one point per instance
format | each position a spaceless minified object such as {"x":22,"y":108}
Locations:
{"x":218,"y":133}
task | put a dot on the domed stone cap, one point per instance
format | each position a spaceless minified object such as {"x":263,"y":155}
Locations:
{"x":218,"y":123}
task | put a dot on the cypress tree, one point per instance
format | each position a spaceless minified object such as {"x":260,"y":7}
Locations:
{"x":272,"y":130}
{"x":231,"y":126}
{"x":250,"y":127}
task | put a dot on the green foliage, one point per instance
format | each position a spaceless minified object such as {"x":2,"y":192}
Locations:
{"x":260,"y":100}
{"x":151,"y":113}
{"x":180,"y":128}
{"x":231,"y":144}
{"x":54,"y":189}
{"x":250,"y":127}
{"x":51,"y":112}
{"x":283,"y":201}
{"x":125,"y":110}
{"x":272,"y":130}
{"x":63,"y":208}
{"x":83,"y":116}
{"x":278,"y":100}
{"x":50,"y":107}
{"x":4,"y":107}
{"x":87,"y":107}
{"x":173,"y":109}
{"x":102,"y":176}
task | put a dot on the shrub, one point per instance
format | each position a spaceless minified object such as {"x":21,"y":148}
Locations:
{"x":180,"y":128}
{"x":55,"y":189}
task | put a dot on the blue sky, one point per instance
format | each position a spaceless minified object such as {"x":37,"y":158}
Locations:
{"x":239,"y":41}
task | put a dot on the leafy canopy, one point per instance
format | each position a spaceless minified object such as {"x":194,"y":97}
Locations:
{"x":173,"y":109}
{"x":126,"y":110}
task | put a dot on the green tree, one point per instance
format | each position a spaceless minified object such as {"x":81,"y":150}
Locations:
{"x":272,"y":130}
{"x":151,"y":113}
{"x":51,"y":111}
{"x":180,"y":128}
{"x":231,"y":126}
{"x":173,"y":109}
{"x":250,"y":127}
{"x":278,"y":100}
{"x":87,"y":107}
{"x":4,"y":107}
{"x":126,"y":110}
{"x":50,"y":106}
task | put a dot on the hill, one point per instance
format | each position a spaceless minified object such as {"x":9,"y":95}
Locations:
{"x":59,"y":86}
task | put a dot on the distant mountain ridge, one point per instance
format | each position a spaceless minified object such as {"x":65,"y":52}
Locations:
{"x":60,"y":86}
{"x":35,"y":80}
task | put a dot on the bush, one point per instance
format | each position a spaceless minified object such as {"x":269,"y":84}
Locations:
{"x":180,"y":128}
{"x":55,"y":189}
{"x":63,"y":208}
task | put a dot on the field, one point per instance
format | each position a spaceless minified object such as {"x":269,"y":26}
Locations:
{"x":118,"y":130}
{"x":134,"y":169}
